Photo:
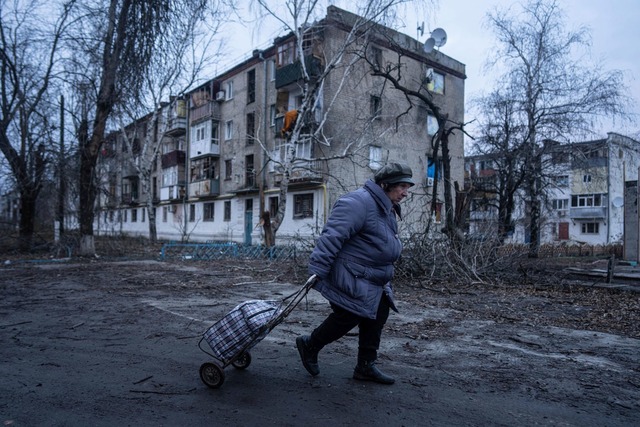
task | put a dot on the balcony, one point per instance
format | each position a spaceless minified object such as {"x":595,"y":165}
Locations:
{"x":204,"y":148}
{"x":291,"y":73}
{"x":306,"y":171}
{"x":173,"y":158}
{"x":172,"y":192}
{"x":309,"y":124}
{"x":588,"y":213}
{"x":209,"y":110}
{"x":129,"y":199}
{"x":177,"y":126}
{"x":206,"y":188}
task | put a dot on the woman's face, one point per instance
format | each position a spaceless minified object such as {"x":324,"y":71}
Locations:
{"x":398,"y":192}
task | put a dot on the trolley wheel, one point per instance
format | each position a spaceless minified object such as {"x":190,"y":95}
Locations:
{"x":243,"y":361}
{"x":212,"y":375}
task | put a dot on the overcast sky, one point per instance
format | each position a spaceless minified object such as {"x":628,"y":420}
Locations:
{"x":613,"y":25}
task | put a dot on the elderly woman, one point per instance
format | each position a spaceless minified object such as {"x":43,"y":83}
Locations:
{"x":353,"y":260}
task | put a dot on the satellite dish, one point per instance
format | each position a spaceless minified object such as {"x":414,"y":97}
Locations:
{"x":429,"y":44}
{"x":618,"y":202}
{"x":440,"y":37}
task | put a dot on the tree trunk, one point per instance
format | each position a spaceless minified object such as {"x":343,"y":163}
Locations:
{"x":27,"y":219}
{"x":88,"y":158}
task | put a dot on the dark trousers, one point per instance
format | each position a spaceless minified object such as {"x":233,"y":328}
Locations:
{"x":341,"y":321}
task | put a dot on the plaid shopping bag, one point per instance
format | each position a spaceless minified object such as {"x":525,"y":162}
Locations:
{"x":241,"y":328}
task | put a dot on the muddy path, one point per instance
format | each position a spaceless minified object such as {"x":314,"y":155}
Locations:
{"x":115,"y":343}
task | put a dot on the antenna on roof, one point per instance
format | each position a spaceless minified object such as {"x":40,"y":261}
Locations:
{"x":420,"y":30}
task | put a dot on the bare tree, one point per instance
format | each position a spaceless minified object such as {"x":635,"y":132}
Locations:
{"x":119,"y":40}
{"x":502,"y":141}
{"x":555,"y":93}
{"x":417,"y":95}
{"x":302,"y":19}
{"x":29,"y":56}
{"x":187,"y":47}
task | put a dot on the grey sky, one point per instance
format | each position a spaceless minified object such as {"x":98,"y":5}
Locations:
{"x":612,"y":23}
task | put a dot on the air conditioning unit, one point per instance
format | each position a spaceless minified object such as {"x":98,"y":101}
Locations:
{"x":429,"y":182}
{"x":220,"y":96}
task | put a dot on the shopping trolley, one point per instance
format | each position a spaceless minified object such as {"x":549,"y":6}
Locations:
{"x":231,"y":337}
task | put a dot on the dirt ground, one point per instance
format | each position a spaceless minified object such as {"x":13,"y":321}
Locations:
{"x":116,"y":343}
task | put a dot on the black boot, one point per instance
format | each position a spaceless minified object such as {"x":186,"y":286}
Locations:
{"x":308,"y":354}
{"x":366,"y":370}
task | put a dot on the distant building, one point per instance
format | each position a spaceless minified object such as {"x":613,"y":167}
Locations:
{"x":631,"y":221}
{"x":584,"y":200}
{"x":219,"y":168}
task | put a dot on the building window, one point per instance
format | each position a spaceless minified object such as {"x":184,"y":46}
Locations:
{"x":165,"y":213}
{"x":124,"y":215}
{"x":144,"y":214}
{"x":227,"y":210}
{"x":208,"y":211}
{"x":432,"y":125}
{"x":134,"y":215}
{"x":251,"y":86}
{"x":303,"y":206}
{"x":586,"y":178}
{"x":229,"y":91}
{"x":375,"y":157}
{"x":215,"y":139}
{"x":286,"y":53}
{"x":200,"y":132}
{"x":228,"y":169}
{"x":273,"y":206}
{"x":561,"y":180}
{"x":375,"y":106}
{"x":272,"y":114}
{"x":303,"y":150}
{"x":250,"y":172}
{"x":586,"y":200}
{"x":228,"y":129}
{"x":560,"y":204}
{"x":272,"y":69}
{"x":251,"y":128}
{"x":436,"y":82}
{"x":192,"y":213}
{"x":202,"y":169}
{"x":590,"y":228}
{"x":376,"y":58}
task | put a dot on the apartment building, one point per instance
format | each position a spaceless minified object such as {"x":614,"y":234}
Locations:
{"x":584,"y":193}
{"x":223,"y":145}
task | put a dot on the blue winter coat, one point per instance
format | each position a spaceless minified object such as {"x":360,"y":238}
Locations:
{"x":355,"y":253}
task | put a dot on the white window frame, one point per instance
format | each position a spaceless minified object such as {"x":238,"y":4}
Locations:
{"x":272,"y":69}
{"x":436,"y":84}
{"x":228,"y":129}
{"x":228,"y":93}
{"x":304,"y":150}
{"x":375,"y":157}
{"x":590,"y":228}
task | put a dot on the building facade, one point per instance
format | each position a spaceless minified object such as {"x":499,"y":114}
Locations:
{"x":224,"y":144}
{"x":584,"y":195}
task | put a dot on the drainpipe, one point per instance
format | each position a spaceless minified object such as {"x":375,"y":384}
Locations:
{"x":609,"y":191}
{"x":265,"y":126}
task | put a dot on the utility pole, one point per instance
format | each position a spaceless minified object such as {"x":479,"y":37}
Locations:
{"x":61,"y":174}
